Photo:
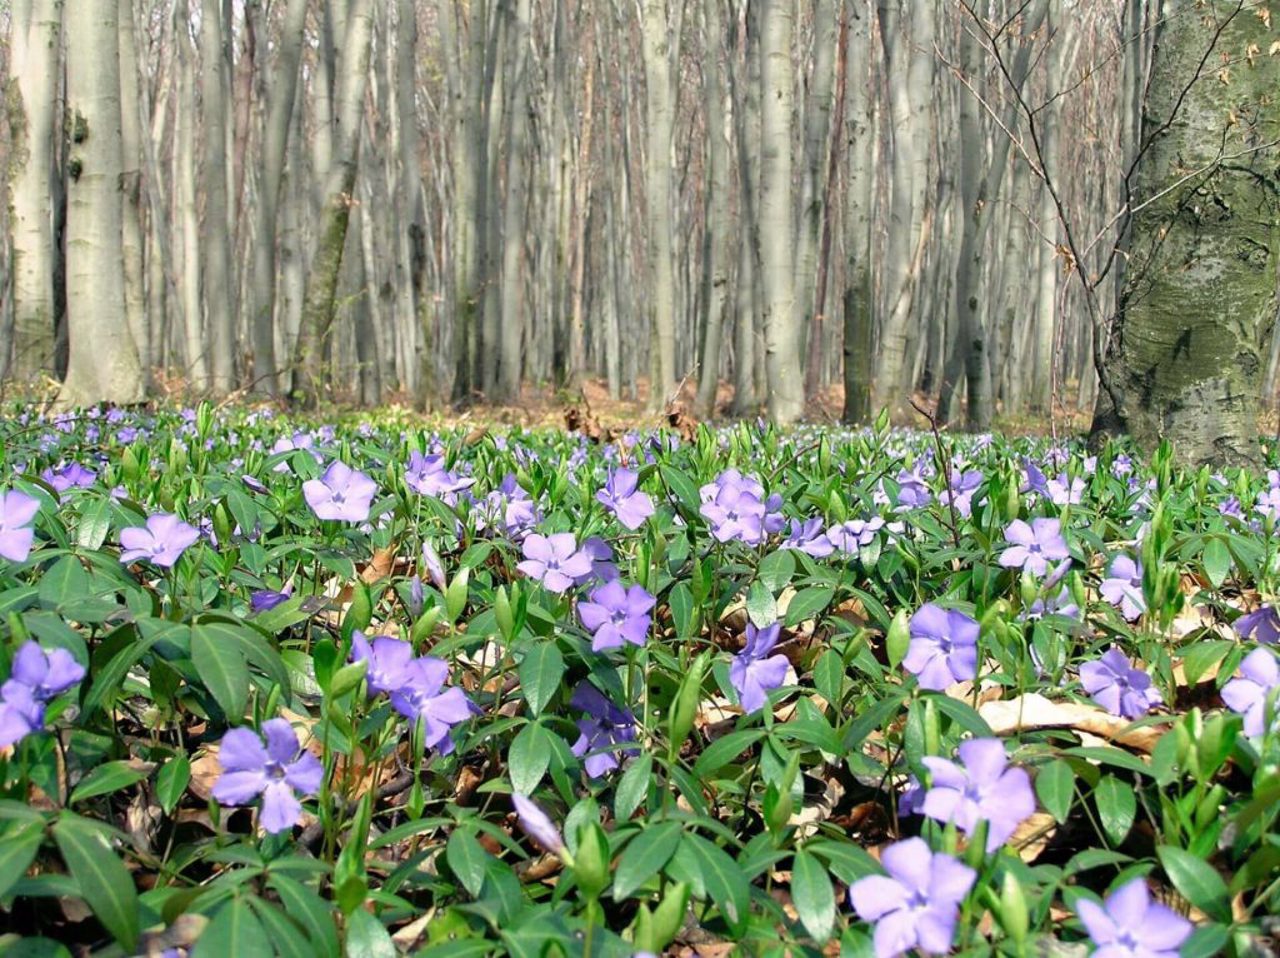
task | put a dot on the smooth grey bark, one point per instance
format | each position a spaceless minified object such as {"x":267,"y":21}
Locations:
{"x":281,"y":94}
{"x":660,"y":109}
{"x":186,"y":211}
{"x":716,"y":243}
{"x":131,"y":137}
{"x":777,"y":227}
{"x":515,"y":204}
{"x":35,"y":26}
{"x":858,"y":320}
{"x":218,"y":271}
{"x":1185,"y":359}
{"x":103,"y":360}
{"x":744,"y":73}
{"x":326,"y":264}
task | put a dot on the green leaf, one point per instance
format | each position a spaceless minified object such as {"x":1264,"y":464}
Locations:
{"x":776,"y":570}
{"x":467,"y":859}
{"x":828,"y":676}
{"x":310,"y":910}
{"x":761,"y":607}
{"x":367,"y":937}
{"x":285,"y":934}
{"x":1197,"y":881}
{"x":234,"y":930}
{"x":1217,"y":561}
{"x":632,"y":787}
{"x":683,"y":487}
{"x":1055,"y":786}
{"x":172,"y":781}
{"x":540,"y":671}
{"x":223,"y":670}
{"x":644,"y":857}
{"x":65,"y":580}
{"x":724,"y":881}
{"x":813,"y":895}
{"x":528,"y":758}
{"x":724,"y":750}
{"x":807,"y":603}
{"x":95,"y":524}
{"x":1117,"y":806}
{"x":107,"y":778}
{"x":105,"y":884}
{"x":17,"y":851}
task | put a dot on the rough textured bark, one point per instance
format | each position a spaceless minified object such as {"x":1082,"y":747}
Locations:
{"x":744,"y":74}
{"x":103,"y":363}
{"x":777,"y":227}
{"x":1186,"y":354}
{"x":717,"y":235}
{"x":326,"y":264}
{"x":858,"y":321}
{"x":35,"y":27}
{"x":514,"y":307}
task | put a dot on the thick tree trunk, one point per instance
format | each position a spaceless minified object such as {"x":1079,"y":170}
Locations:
{"x":326,"y":265}
{"x":219,"y":284}
{"x":717,"y":236}
{"x":32,"y":95}
{"x":1185,"y":358}
{"x":514,"y":306}
{"x":660,"y":100}
{"x":103,"y":363}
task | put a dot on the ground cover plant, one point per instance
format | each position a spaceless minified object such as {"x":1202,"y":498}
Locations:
{"x":296,"y":688}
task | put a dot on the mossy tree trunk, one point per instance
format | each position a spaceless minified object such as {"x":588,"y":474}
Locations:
{"x":1185,"y":359}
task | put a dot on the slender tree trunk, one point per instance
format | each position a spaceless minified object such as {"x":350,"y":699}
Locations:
{"x":744,"y":84}
{"x":103,"y":363}
{"x":32,"y":96}
{"x":859,"y":328}
{"x":660,"y":101}
{"x":717,"y":239}
{"x":514,"y":307}
{"x":219,"y":284}
{"x":187,"y":220}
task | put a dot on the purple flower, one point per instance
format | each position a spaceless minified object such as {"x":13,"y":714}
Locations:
{"x":734,"y":506}
{"x":264,"y":600}
{"x":275,"y":771}
{"x":1118,"y":687}
{"x":849,"y":537}
{"x":807,"y":536}
{"x":620,"y":497}
{"x":1033,"y":546}
{"x":963,"y":487}
{"x":509,"y":508}
{"x":1261,"y":625}
{"x":21,"y":713}
{"x":341,"y":493}
{"x":602,"y":565}
{"x":17,"y":510}
{"x":983,"y":789}
{"x":1259,"y":674}
{"x":554,"y":560}
{"x":537,"y":825}
{"x":1123,"y":587}
{"x":388,"y":661}
{"x":164,"y":538}
{"x":943,"y":648}
{"x":917,"y":904}
{"x":751,"y":674}
{"x":1130,"y":925}
{"x":427,"y":476}
{"x":419,"y":697}
{"x":913,"y":493}
{"x":604,"y":730}
{"x":435,"y":567}
{"x":616,"y":615}
{"x":68,"y":476}
{"x":36,"y":677}
{"x":1065,"y":492}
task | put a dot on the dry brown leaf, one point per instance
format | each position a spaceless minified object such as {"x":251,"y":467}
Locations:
{"x":1033,"y":836}
{"x":1032,"y":711}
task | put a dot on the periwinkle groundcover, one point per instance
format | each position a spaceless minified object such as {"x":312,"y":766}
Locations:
{"x":365,"y":688}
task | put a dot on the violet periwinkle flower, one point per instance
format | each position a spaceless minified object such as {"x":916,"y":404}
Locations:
{"x":963,"y":487}
{"x":1261,"y":625}
{"x":615,"y":615}
{"x":1066,"y":492}
{"x":916,"y":905}
{"x":17,"y":510}
{"x":70,"y":475}
{"x":1123,"y":587}
{"x":253,"y":484}
{"x":1035,"y":480}
{"x":1034,"y":546}
{"x":264,"y":600}
{"x":554,"y":560}
{"x":807,"y":536}
{"x":912,"y":491}
{"x":849,"y":537}
{"x":162,"y":540}
{"x":342,"y":493}
{"x":278,"y":771}
{"x":421,"y":696}
{"x":943,"y":647}
{"x":734,"y":512}
{"x":982,"y":789}
{"x":1130,"y":925}
{"x":537,"y":825}
{"x":434,"y":566}
{"x":388,"y":661}
{"x":1118,"y":687}
{"x":604,"y":730}
{"x":427,"y":476}
{"x":35,"y":678}
{"x":508,"y":508}
{"x":621,"y":497}
{"x":753,"y":672}
{"x":1247,"y":695}
{"x":1268,"y":504}
{"x":603,"y":568}
{"x":299,"y":440}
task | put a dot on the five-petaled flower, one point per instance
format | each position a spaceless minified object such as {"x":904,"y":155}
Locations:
{"x":616,"y":615}
{"x":421,"y":697}
{"x":943,"y":647}
{"x":554,"y":560}
{"x":1130,"y":925}
{"x":1261,"y":625}
{"x":1247,"y":695}
{"x":1118,"y":687}
{"x":602,"y":731}
{"x":916,"y":905}
{"x":1033,"y":547}
{"x":982,"y":789}
{"x":17,"y":509}
{"x":276,"y":771}
{"x":162,"y":540}
{"x":620,"y":496}
{"x":342,"y":493}
{"x":1123,"y":587}
{"x":36,"y":677}
{"x":751,"y":673}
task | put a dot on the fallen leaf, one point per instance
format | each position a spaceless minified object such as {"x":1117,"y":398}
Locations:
{"x":1032,"y":711}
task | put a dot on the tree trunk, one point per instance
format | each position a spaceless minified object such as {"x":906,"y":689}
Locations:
{"x":219,"y":284}
{"x":1185,"y":357}
{"x":660,"y":100}
{"x":32,"y":97}
{"x":514,"y":307}
{"x":103,"y":363}
{"x":717,"y":205}
{"x":326,"y":264}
